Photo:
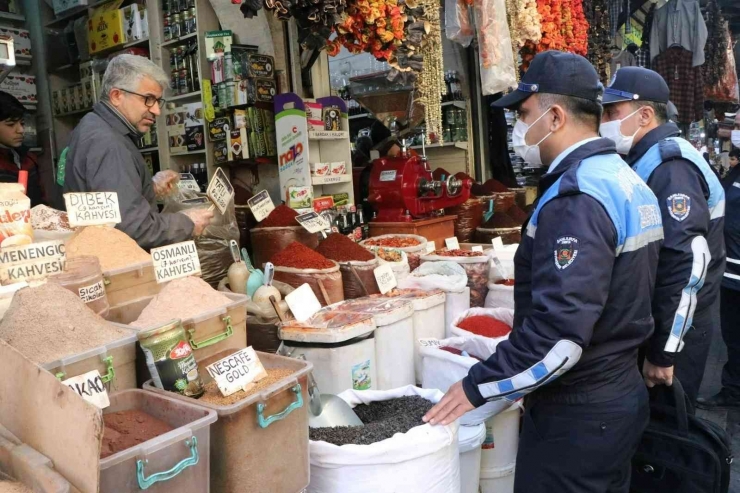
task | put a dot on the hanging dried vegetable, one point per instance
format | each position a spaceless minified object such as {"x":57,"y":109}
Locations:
{"x":430,"y":83}
{"x":495,"y":56}
{"x":564,"y":28}
{"x":524,"y":22}
{"x":599,"y":37}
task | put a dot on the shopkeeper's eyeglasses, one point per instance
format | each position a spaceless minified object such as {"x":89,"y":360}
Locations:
{"x":148,"y":100}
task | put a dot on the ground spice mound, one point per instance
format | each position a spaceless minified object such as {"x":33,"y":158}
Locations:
{"x":126,"y":429}
{"x":280,"y":217}
{"x":338,"y":247}
{"x":485,"y":326}
{"x":382,"y":420}
{"x":298,"y":256}
{"x":182,"y":298}
{"x":501,"y":220}
{"x":13,"y":487}
{"x":49,"y":322}
{"x":214,"y":396}
{"x":114,"y":248}
{"x":517,"y":214}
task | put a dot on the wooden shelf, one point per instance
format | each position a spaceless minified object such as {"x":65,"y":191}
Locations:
{"x":189,"y":95}
{"x":190,"y":153}
{"x":12,"y":17}
{"x":148,"y":149}
{"x":30,"y":106}
{"x":459,"y":145}
{"x":72,"y":14}
{"x":62,"y":68}
{"x":361,"y":115}
{"x":113,"y":49}
{"x":457,"y":104}
{"x":73,"y":113}
{"x":328,"y":135}
{"x":331,"y":180}
{"x":179,"y":40}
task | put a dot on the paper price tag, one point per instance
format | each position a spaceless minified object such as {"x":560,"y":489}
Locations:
{"x":452,"y":243}
{"x":220,"y":190}
{"x":312,"y":222}
{"x":175,"y":261}
{"x":187,"y":182}
{"x":498,"y":243}
{"x":91,"y":293}
{"x":476,"y":248}
{"x":92,"y":208}
{"x":431,"y":246}
{"x":385,"y":278}
{"x":44,"y":250}
{"x":261,"y":205}
{"x":32,"y":262}
{"x":90,"y":387}
{"x":238,"y":371}
{"x":303,"y":303}
{"x":429,"y":343}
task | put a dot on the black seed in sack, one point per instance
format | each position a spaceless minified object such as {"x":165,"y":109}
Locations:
{"x":382,"y":420}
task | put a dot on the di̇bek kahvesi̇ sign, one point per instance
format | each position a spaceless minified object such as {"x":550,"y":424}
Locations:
{"x":92,"y":208}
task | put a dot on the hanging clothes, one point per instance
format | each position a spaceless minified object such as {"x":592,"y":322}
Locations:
{"x":685,"y":82}
{"x":679,"y":23}
{"x":623,"y":59}
{"x":615,"y":9}
{"x":643,"y":54}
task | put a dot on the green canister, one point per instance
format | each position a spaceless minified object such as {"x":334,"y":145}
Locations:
{"x":170,"y":359}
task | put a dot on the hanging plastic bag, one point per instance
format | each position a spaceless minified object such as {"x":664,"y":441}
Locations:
{"x":477,"y":269}
{"x":412,"y":252}
{"x":425,"y":459}
{"x":495,"y":55}
{"x":458,"y":27}
{"x":400,"y":268}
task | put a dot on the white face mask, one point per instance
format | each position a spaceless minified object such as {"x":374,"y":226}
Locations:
{"x":735,"y":138}
{"x":613,"y":131}
{"x":530,"y":153}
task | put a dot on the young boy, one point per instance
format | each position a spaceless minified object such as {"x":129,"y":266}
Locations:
{"x":13,"y":155}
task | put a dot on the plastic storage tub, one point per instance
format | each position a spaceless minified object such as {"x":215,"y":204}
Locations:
{"x":260,"y":444}
{"x":23,"y":464}
{"x":176,"y":461}
{"x":470,"y":439}
{"x":130,"y":283}
{"x":341,"y":348}
{"x":116,"y":362}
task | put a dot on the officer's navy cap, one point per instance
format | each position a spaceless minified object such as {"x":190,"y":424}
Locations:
{"x":637,"y":84}
{"x":556,"y":72}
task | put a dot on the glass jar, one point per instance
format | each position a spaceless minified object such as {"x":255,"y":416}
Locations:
{"x":167,"y":30}
{"x":84,"y":277}
{"x":176,"y":26}
{"x":185,"y":22}
{"x":193,"y":20}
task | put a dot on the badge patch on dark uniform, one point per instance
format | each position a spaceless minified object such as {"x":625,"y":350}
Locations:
{"x":566,"y":251}
{"x":679,"y":206}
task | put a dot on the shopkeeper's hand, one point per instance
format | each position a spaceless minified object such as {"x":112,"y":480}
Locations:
{"x":164,"y":182}
{"x":656,"y":375}
{"x":201,"y":219}
{"x":453,"y":405}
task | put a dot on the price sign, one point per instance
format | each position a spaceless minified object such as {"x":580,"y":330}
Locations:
{"x":90,"y":387}
{"x":498,"y":243}
{"x":36,"y":261}
{"x":429,"y":343}
{"x":187,"y":182}
{"x":303,"y":303}
{"x":220,"y":190}
{"x":385,"y":277}
{"x":431,"y":246}
{"x":92,"y":208}
{"x":312,"y":222}
{"x":499,"y":266}
{"x":261,"y":205}
{"x":175,"y":261}
{"x":452,"y":243}
{"x":238,"y":371}
{"x":477,"y":248}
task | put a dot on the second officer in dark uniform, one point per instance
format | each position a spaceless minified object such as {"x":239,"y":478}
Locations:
{"x":585,"y":271}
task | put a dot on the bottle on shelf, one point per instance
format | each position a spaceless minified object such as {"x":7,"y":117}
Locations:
{"x":364,"y":226}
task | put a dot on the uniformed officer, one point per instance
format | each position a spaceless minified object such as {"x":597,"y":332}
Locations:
{"x":692,"y":205}
{"x":585,"y":272}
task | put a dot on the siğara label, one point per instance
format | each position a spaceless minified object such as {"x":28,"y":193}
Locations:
{"x":93,"y":292}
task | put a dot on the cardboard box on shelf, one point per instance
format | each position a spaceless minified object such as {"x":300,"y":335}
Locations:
{"x":135,"y":22}
{"x":195,"y":138}
{"x":259,"y":66}
{"x":193,"y":114}
{"x":105,"y":28}
{"x":313,"y":115}
{"x":217,"y":129}
{"x":86,"y":70}
{"x":238,"y":145}
{"x":22,"y":86}
{"x":218,"y":43}
{"x":220,"y":152}
{"x":250,"y":91}
{"x":61,"y":6}
{"x":21,"y":40}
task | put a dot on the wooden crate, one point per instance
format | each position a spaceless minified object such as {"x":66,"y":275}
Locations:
{"x":435,"y":229}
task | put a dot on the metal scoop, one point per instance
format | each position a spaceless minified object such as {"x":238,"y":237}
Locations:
{"x":328,"y":410}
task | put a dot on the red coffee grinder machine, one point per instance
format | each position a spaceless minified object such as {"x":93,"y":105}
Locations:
{"x":406,"y":197}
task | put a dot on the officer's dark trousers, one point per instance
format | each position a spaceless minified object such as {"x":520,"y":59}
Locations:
{"x":690,"y":362}
{"x":580,"y":448}
{"x":730,"y":315}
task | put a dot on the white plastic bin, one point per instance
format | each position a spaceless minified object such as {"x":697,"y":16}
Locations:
{"x":456,"y":303}
{"x":470,"y":439}
{"x":497,"y":479}
{"x":498,"y":456}
{"x":340,"y":346}
{"x":176,"y":461}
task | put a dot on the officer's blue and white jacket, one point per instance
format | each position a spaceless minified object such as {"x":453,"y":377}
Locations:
{"x":692,"y":258}
{"x":731,"y":184}
{"x":585,"y":271}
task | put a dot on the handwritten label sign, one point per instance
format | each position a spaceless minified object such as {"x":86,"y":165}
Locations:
{"x":31,"y":262}
{"x":501,"y":270}
{"x":312,"y":222}
{"x":452,"y":243}
{"x":90,"y":387}
{"x":303,"y":303}
{"x":220,"y":190}
{"x":498,"y":243}
{"x":238,"y":371}
{"x":261,"y":205}
{"x":476,"y":248}
{"x":385,"y":278}
{"x":93,"y":292}
{"x":175,"y":261}
{"x":188,"y":182}
{"x":429,"y":343}
{"x":431,"y":246}
{"x":92,"y":208}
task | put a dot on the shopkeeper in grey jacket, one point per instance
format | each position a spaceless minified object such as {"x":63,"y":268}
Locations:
{"x":103,"y":155}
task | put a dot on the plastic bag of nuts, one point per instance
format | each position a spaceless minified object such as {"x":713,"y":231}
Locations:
{"x":413,"y":245}
{"x":476,"y":267}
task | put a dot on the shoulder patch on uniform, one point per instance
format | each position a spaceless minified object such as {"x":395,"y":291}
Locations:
{"x":566,"y":251}
{"x":679,"y":206}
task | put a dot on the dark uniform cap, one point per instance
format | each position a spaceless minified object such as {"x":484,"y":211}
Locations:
{"x":556,"y":72}
{"x":637,"y":84}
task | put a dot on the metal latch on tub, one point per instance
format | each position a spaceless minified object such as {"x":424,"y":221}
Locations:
{"x":228,"y":332}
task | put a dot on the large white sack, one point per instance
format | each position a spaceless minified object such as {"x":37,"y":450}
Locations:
{"x":423,"y":460}
{"x":447,"y":276}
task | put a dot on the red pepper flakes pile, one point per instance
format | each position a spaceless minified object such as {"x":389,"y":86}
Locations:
{"x":517,"y":214}
{"x":501,"y":220}
{"x":485,"y":326}
{"x":338,"y":247}
{"x":300,"y":256}
{"x":280,"y":217}
{"x":506,"y":282}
